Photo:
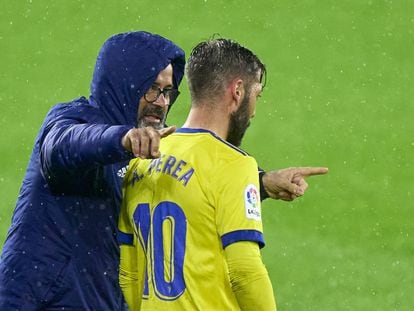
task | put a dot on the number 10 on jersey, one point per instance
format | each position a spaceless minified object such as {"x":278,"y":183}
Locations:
{"x":162,"y":235}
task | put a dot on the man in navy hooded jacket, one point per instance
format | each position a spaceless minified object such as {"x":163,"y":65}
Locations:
{"x":61,"y":250}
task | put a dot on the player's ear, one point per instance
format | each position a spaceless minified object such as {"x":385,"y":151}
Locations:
{"x":237,"y":93}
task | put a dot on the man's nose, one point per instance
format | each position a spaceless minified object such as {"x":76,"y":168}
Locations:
{"x":162,"y":101}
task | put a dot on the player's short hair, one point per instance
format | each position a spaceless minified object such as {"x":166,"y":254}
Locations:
{"x":216,"y":62}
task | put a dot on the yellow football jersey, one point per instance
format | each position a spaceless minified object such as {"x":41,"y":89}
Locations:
{"x":180,"y":211}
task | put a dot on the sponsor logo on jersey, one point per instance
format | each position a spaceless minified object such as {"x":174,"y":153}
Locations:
{"x":252,"y":203}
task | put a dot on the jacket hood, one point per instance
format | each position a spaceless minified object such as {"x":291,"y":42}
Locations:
{"x":127,"y":65}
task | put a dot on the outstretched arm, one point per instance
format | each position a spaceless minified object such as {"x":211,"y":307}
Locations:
{"x":71,"y":145}
{"x":289,"y":183}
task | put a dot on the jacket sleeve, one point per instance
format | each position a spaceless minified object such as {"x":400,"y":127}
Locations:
{"x":68,"y":143}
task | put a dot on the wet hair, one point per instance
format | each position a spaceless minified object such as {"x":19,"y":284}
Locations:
{"x":216,"y":62}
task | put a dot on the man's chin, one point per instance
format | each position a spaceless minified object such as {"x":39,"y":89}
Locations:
{"x":156,"y":125}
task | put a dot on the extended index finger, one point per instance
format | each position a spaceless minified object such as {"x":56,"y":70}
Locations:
{"x":167,"y":131}
{"x":311,"y":171}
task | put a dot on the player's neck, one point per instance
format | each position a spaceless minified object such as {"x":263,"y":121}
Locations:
{"x":213,"y":120}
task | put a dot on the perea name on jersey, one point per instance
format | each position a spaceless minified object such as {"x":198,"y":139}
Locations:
{"x":169,"y":165}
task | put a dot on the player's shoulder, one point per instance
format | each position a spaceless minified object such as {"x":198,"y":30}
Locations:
{"x":206,"y":139}
{"x":78,"y":109}
{"x":132,"y":167}
{"x":209,"y":155}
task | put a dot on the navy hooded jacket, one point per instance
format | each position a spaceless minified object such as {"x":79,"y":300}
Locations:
{"x":61,"y":248}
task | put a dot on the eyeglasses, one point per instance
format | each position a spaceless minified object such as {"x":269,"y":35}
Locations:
{"x":155,"y":92}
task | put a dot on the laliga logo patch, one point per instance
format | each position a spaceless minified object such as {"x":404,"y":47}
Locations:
{"x":252,"y":203}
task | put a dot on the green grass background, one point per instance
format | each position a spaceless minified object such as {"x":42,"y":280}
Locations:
{"x":339,"y":94}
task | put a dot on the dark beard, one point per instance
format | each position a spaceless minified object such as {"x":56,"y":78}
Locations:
{"x":239,"y":122}
{"x":155,"y":111}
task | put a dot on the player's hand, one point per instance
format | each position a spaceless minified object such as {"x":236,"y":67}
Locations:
{"x":289,"y":183}
{"x":145,"y":142}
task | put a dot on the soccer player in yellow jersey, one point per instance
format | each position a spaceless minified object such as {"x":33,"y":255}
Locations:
{"x":190,"y":224}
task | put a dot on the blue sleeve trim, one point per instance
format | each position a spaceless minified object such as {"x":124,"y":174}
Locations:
{"x":243,"y":235}
{"x":125,"y":238}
